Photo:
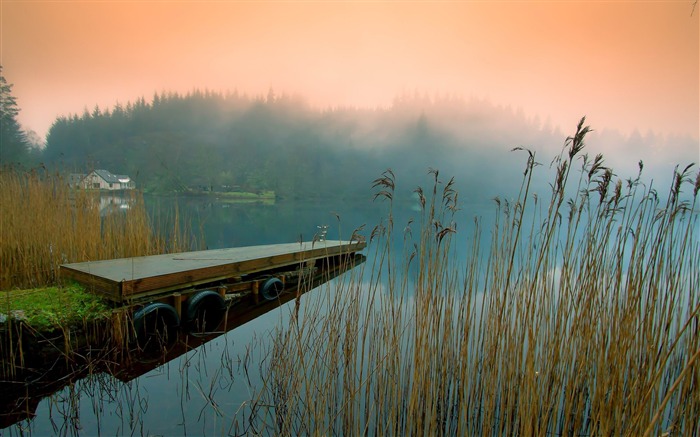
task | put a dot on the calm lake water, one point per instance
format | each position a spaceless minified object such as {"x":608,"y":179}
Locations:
{"x":210,"y":390}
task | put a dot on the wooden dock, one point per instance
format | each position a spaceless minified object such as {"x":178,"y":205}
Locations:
{"x":128,"y":280}
{"x":48,"y":366}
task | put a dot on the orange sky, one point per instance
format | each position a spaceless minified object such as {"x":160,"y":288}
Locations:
{"x":623,"y":64}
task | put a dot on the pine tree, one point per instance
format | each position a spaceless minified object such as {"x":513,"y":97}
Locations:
{"x":13,"y":141}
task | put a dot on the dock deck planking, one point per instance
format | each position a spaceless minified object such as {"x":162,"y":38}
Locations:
{"x":129,"y":278}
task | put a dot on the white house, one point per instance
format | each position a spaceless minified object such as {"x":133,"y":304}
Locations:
{"x":104,"y":180}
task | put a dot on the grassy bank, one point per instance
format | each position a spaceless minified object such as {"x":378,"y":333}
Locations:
{"x":575,"y":313}
{"x":266,"y":197}
{"x":39,"y":326}
{"x":263,"y":195}
{"x":50,"y":308}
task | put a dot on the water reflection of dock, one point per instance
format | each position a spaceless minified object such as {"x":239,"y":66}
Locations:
{"x":41,"y":379}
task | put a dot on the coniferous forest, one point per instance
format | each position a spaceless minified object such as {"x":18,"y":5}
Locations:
{"x":207,"y":140}
{"x":213,"y":141}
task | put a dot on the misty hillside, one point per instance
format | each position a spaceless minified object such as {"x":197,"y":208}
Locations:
{"x":206,"y":140}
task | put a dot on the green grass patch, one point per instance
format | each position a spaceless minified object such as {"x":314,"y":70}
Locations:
{"x":242,"y":194}
{"x":53,"y":307}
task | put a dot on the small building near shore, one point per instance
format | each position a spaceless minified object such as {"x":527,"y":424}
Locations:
{"x":103,"y":180}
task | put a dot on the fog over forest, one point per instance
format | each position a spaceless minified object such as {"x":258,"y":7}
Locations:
{"x":210,"y":140}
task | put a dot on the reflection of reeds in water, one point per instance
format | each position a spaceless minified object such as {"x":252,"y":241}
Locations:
{"x":45,"y":223}
{"x":581,"y":320}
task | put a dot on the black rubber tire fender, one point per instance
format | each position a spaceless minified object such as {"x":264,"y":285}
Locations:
{"x":208,"y":304}
{"x":163,"y":311}
{"x":272,"y":288}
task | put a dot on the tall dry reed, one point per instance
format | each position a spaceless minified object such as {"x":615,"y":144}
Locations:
{"x":581,"y":319}
{"x":45,"y":223}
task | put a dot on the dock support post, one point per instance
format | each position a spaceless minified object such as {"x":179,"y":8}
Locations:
{"x":256,"y":292}
{"x":177,"y":303}
{"x":117,"y":329}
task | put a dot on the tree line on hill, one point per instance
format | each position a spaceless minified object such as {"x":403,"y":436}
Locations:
{"x":212,"y":140}
{"x":206,"y":139}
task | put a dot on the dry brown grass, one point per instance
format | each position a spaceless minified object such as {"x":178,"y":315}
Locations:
{"x":44,"y":224}
{"x":581,"y":320}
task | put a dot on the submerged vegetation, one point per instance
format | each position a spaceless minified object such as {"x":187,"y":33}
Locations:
{"x":578,"y":317}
